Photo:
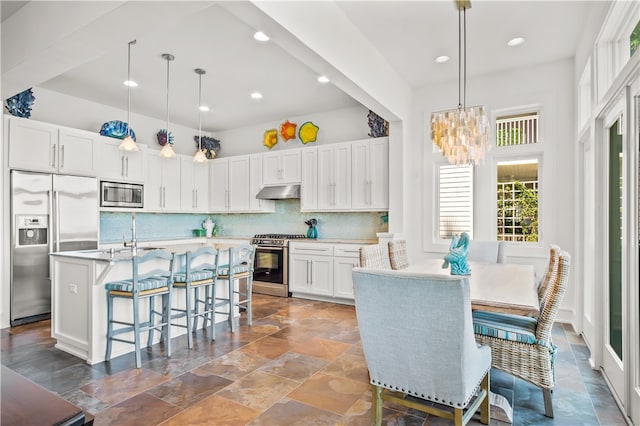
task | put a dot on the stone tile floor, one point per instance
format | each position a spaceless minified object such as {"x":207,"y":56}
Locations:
{"x":301,"y":363}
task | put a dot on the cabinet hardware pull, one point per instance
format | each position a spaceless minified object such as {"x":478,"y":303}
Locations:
{"x":160,"y":201}
{"x":53,"y":155}
{"x":164,"y":197}
{"x":122,"y":166}
{"x":62,"y":156}
{"x":127,"y":169}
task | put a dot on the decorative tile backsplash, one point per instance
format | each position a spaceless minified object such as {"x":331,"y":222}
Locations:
{"x":287,"y":219}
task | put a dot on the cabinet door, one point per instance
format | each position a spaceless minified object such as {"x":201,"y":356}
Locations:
{"x":342,"y":278}
{"x":111,"y":163}
{"x":257,"y":205}
{"x":76,"y":152}
{"x":271,"y":170}
{"x":325,"y":178}
{"x":134,"y":164}
{"x":239,"y":183}
{"x":170,"y":183}
{"x":218,"y":185}
{"x":153,"y":184}
{"x":187,"y":184}
{"x":322,"y":276}
{"x":201,"y":185}
{"x":309,"y":179}
{"x":342,"y":176}
{"x":379,"y":174}
{"x":299,"y":269}
{"x":290,"y":163}
{"x":32,"y":145}
{"x":360,"y":188}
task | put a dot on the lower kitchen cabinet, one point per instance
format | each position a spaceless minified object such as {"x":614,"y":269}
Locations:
{"x":322,"y":269}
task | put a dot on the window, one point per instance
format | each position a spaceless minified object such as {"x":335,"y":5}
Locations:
{"x":517,"y":130}
{"x":517,"y":196}
{"x":634,"y":39}
{"x":456,"y":200}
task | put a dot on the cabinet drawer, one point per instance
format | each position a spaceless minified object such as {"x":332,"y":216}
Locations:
{"x":347,"y":250}
{"x":316,"y":249}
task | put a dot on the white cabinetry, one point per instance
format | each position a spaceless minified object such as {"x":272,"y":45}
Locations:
{"x":281,"y":167}
{"x":162,"y":187}
{"x":118,"y":165}
{"x":311,"y":268}
{"x":255,"y":204}
{"x":47,"y":148}
{"x":334,"y":177}
{"x":309,"y":179}
{"x":370,"y":174}
{"x":194,"y":185}
{"x":230,"y":184}
{"x":322,"y":269}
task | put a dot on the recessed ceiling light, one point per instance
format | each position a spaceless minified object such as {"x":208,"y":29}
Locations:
{"x":203,"y":108}
{"x":517,"y":41}
{"x":442,"y":59}
{"x":260,"y":36}
{"x":256,"y":95}
{"x":130,"y":83}
{"x":323,"y":79}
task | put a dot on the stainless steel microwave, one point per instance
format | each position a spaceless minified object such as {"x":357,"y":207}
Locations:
{"x":118,"y":194}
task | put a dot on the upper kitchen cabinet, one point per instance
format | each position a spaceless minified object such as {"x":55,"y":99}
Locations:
{"x":309,"y":181}
{"x":194,"y":185}
{"x":230,"y":184}
{"x":162,"y":186}
{"x":256,"y":204}
{"x":119,"y":165}
{"x":334,"y":177}
{"x":281,"y":167}
{"x":47,"y":148}
{"x":370,"y":174}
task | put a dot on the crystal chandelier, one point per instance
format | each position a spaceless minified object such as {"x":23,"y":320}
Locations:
{"x":462,"y":134}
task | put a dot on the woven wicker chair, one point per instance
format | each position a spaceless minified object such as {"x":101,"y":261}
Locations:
{"x":372,"y":256}
{"x":551,"y":272}
{"x":522,"y":346}
{"x":398,"y":254}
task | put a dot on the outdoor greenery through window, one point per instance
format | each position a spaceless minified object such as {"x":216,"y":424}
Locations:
{"x":634,"y":39}
{"x":517,"y":201}
{"x":521,"y":129}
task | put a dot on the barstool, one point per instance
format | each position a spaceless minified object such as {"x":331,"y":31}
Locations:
{"x":198,"y":271}
{"x":157,"y":282}
{"x":240,"y":266}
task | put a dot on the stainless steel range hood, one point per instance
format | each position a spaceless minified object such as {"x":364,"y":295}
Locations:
{"x":282,"y":192}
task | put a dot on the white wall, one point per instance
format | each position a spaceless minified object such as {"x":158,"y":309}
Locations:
{"x":335,"y":126}
{"x":552,"y":87}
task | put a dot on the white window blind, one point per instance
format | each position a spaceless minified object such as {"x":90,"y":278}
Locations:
{"x":456,"y":200}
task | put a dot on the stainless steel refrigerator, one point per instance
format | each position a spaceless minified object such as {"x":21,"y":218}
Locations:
{"x":49,"y":213}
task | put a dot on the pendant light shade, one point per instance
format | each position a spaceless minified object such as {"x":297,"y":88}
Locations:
{"x":167,"y":150}
{"x":128,"y":144}
{"x":461,"y":134}
{"x":199,"y":156}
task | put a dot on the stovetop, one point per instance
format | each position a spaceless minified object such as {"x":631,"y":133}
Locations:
{"x":275,"y":239}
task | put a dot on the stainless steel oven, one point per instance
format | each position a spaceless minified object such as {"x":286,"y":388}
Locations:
{"x":271,"y":265}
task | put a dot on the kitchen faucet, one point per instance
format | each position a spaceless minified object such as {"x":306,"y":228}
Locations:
{"x":134,"y":242}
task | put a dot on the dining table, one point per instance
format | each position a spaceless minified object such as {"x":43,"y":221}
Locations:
{"x":496,"y":287}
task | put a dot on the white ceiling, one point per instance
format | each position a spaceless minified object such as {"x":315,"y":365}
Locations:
{"x":407,"y":34}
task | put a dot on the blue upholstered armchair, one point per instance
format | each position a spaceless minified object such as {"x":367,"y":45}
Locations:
{"x":417,"y":337}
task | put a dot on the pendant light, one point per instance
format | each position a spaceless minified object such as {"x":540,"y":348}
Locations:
{"x":199,"y":157}
{"x":128,"y":144}
{"x":461,"y":134}
{"x":167,"y":150}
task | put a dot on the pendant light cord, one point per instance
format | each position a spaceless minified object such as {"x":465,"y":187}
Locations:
{"x":464,"y":33}
{"x":459,"y":61}
{"x":199,"y":112}
{"x":129,"y":86}
{"x":167,"y":129}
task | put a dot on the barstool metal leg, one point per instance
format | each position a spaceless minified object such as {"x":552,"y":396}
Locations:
{"x":107,"y":355}
{"x":136,"y":329}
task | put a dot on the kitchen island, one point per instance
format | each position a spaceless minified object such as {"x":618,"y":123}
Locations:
{"x":79,"y":301}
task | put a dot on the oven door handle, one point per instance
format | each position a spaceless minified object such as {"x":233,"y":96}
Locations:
{"x":271,"y":248}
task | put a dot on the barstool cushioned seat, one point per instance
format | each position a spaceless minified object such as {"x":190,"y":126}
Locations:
{"x":143,"y":284}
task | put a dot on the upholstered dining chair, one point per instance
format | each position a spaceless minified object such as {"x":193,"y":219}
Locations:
{"x":240,"y":266}
{"x":154,"y":282}
{"x":372,"y":256}
{"x":417,"y":338}
{"x":398,"y":254}
{"x":487,"y":251}
{"x":197,"y":272}
{"x":522,"y":346}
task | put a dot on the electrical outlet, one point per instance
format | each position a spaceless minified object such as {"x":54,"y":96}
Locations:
{"x":73,"y":288}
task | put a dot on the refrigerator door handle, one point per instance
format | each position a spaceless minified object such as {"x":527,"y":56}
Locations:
{"x":56,"y":196}
{"x":50,"y":196}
